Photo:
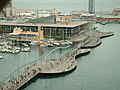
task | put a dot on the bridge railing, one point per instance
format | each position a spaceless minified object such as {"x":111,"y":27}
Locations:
{"x":44,"y":59}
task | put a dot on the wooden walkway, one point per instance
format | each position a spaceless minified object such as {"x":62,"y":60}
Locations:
{"x":63,"y":64}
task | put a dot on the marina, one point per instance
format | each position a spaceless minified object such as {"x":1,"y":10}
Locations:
{"x":98,"y":70}
{"x":63,"y":64}
{"x":42,"y":48}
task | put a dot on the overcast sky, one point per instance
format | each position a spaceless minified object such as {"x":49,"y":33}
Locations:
{"x":82,"y":4}
{"x":69,"y":1}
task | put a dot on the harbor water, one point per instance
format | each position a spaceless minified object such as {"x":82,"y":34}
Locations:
{"x":98,"y":70}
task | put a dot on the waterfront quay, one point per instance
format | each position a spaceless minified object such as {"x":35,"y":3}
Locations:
{"x":64,"y":64}
{"x":91,"y":38}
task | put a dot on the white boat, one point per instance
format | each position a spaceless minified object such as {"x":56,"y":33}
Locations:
{"x":103,"y":23}
{"x":9,"y":51}
{"x":24,"y":44}
{"x":50,"y":45}
{"x":16,"y":50}
{"x":56,"y":43}
{"x":33,"y":44}
{"x":27,"y":49}
{"x":1,"y":57}
{"x":4,"y":50}
{"x":66,"y":42}
{"x":42,"y":45}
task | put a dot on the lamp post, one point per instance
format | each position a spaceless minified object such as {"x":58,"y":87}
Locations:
{"x":39,"y":29}
{"x":66,"y":33}
{"x":81,"y":85}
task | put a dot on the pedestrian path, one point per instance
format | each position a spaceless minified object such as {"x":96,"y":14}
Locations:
{"x":22,"y":75}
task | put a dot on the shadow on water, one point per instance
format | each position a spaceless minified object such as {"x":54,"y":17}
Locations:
{"x":81,"y":55}
{"x":46,"y":76}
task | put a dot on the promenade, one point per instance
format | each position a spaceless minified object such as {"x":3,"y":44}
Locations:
{"x":22,"y":75}
{"x":64,"y":64}
{"x":90,"y":38}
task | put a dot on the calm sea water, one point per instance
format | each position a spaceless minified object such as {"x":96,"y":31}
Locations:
{"x":99,"y":70}
{"x":11,"y":62}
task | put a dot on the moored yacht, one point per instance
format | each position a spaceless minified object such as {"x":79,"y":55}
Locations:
{"x":1,"y":57}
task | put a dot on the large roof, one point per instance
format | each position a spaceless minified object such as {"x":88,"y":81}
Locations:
{"x":67,"y":24}
{"x":70,"y":24}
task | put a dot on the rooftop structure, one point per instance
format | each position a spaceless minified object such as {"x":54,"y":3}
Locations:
{"x":63,"y":17}
{"x":116,"y":11}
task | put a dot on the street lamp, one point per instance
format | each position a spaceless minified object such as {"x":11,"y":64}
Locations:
{"x":81,"y":84}
{"x":40,"y":28}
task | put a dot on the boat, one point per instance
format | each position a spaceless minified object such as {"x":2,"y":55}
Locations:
{"x":69,"y":42}
{"x":50,"y":45}
{"x":42,"y":45}
{"x":16,"y":50}
{"x":3,"y":50}
{"x":32,"y":44}
{"x":24,"y":44}
{"x":56,"y":43}
{"x":1,"y":57}
{"x":66,"y":42}
{"x":103,"y":23}
{"x":26,"y":49}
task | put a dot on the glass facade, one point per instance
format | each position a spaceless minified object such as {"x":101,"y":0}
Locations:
{"x":62,"y":32}
{"x":9,"y":28}
{"x":59,"y":32}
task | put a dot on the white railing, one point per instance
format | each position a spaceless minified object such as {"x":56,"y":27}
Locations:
{"x":22,"y":69}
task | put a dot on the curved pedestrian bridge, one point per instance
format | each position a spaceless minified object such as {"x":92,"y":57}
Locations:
{"x":65,"y":63}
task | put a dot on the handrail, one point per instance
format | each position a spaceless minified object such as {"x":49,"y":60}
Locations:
{"x":56,"y":49}
{"x":43,"y":56}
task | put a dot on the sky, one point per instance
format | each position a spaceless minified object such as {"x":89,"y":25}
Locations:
{"x":68,"y":1}
{"x":66,"y":5}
